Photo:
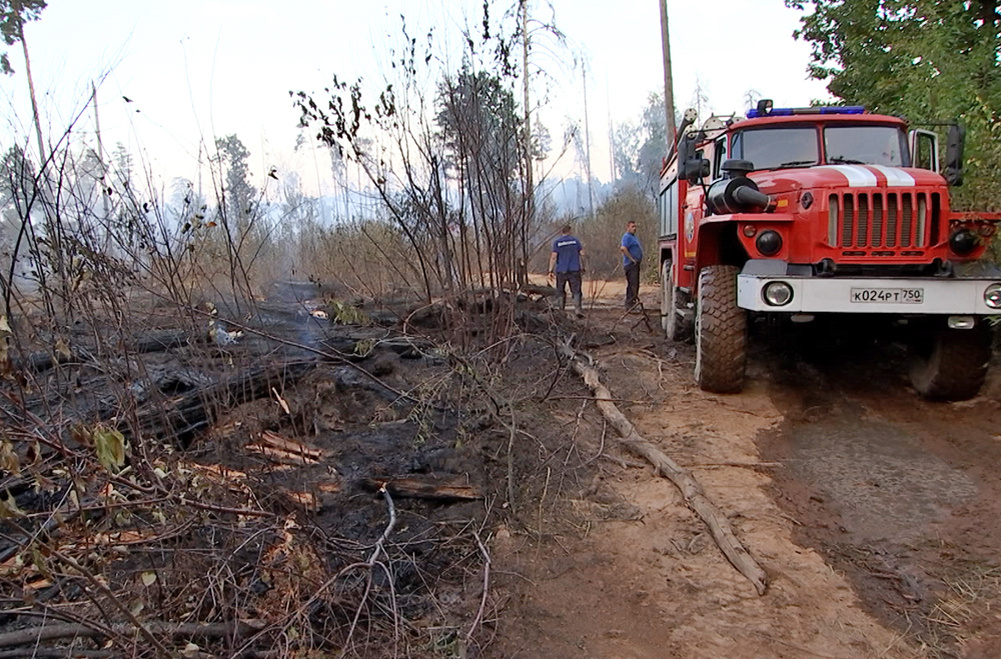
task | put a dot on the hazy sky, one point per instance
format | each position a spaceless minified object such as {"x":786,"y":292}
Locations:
{"x":196,"y":69}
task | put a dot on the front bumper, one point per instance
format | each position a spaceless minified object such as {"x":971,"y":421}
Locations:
{"x":897,"y":295}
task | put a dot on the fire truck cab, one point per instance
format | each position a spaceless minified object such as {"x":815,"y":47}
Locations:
{"x":798,"y":212}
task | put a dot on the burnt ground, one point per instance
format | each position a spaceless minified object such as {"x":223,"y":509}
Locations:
{"x":874,"y":513}
{"x":325,"y":482}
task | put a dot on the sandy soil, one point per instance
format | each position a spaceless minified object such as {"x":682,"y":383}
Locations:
{"x":871,"y":511}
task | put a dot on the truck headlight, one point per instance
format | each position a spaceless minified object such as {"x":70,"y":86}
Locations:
{"x":779,"y":293}
{"x":992,"y":296}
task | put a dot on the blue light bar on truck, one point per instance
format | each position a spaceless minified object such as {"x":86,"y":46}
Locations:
{"x":788,"y":112}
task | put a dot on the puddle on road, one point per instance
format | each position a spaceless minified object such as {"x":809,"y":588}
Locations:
{"x":887,"y":486}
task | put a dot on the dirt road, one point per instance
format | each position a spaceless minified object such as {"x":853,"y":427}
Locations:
{"x":874,"y":513}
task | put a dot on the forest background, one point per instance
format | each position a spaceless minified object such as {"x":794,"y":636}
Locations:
{"x":443,"y":171}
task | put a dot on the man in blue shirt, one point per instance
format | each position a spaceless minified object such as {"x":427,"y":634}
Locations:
{"x":632,"y":256}
{"x":566,"y":262}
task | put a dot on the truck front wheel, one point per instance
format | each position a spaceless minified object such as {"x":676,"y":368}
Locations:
{"x":720,"y":332}
{"x":677,"y":327}
{"x":951,"y":364}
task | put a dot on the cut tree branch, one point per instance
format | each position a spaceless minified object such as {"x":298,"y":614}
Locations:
{"x":691,"y":490}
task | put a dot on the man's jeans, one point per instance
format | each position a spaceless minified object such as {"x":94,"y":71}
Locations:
{"x":574,"y":279}
{"x":632,"y":284}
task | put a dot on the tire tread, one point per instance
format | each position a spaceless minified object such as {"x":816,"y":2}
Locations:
{"x":956,"y":365}
{"x":720,"y":332}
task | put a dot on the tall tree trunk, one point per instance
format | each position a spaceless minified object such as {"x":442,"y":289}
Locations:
{"x":31,"y":86}
{"x":100,"y":159}
{"x":587,"y":148}
{"x":668,"y":77}
{"x":529,"y":182}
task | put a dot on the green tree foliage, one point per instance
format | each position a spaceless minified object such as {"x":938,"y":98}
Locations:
{"x":237,"y":190}
{"x":13,"y":15}
{"x":17,"y":175}
{"x":928,"y":60}
{"x":478,"y":116}
{"x":640,"y":148}
{"x":602,"y":234}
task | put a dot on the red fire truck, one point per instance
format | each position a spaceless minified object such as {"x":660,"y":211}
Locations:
{"x":796,"y":213}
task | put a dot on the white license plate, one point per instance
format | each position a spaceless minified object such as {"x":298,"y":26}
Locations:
{"x":888,"y":295}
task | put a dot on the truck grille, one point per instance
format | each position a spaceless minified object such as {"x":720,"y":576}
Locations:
{"x":883,"y":220}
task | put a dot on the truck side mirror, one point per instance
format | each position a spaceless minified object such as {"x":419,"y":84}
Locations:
{"x":696,"y":169}
{"x":954,"y":155}
{"x":690,"y":167}
{"x":686,"y":149}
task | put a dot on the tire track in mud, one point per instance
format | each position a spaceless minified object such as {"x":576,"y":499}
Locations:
{"x":897,"y":493}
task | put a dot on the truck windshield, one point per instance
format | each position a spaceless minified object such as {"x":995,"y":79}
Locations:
{"x":866,"y":145}
{"x":777,"y":147}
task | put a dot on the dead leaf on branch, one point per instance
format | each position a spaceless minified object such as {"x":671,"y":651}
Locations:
{"x":109,"y":444}
{"x":8,"y":458}
{"x":9,"y":509}
{"x":62,"y":349}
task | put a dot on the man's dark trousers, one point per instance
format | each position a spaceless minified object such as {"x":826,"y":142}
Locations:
{"x":632,"y":284}
{"x":572,"y":278}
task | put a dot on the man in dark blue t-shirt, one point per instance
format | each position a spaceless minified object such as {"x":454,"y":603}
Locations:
{"x":566,"y":262}
{"x":632,"y":257}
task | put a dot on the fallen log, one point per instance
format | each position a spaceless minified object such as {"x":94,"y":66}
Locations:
{"x":539,"y":289}
{"x":161,"y":340}
{"x":145,"y":342}
{"x":691,"y":489}
{"x":182,"y":417}
{"x":39,"y":362}
{"x":423,"y":487}
{"x":33,"y":635}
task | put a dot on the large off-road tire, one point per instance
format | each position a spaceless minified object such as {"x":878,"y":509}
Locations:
{"x":951,"y":364}
{"x":677,"y":326}
{"x":720,"y":332}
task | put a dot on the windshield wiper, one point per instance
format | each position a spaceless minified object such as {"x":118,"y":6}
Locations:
{"x":796,"y":163}
{"x":839,"y":160}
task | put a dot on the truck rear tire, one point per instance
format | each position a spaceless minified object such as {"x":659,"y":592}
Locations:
{"x":951,"y":364}
{"x":720,"y":332}
{"x":677,"y":327}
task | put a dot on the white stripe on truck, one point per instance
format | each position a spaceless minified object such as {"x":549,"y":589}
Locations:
{"x":895,"y":177}
{"x":857,"y":175}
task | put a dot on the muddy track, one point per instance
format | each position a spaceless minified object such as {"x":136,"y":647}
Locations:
{"x":900,"y":494}
{"x":874,"y":513}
